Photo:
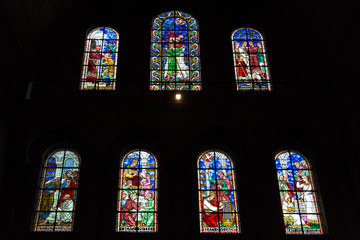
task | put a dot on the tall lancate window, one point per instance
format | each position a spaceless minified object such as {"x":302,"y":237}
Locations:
{"x":251,"y":67}
{"x":55,"y":209}
{"x":217,"y":193}
{"x":175,"y":56}
{"x":298,"y":193}
{"x":138,"y":193}
{"x":100,"y":60}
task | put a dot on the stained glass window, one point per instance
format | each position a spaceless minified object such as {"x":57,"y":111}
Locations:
{"x":175,"y":54}
{"x":138,"y":193}
{"x":100,"y":60}
{"x":56,"y":202}
{"x":217,"y":194}
{"x":250,"y":61}
{"x":298,"y":193}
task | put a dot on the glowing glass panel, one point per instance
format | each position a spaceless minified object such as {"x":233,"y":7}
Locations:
{"x":56,"y":202}
{"x":175,"y":54}
{"x":100,"y":60}
{"x":298,"y":194}
{"x":251,"y":67}
{"x":218,"y":207}
{"x":138,"y":193}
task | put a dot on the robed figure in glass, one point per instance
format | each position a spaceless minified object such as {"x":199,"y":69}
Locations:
{"x":298,"y":194}
{"x":250,"y":60}
{"x":217,"y":194}
{"x":57,"y":194}
{"x":138,"y":193}
{"x":175,"y":60}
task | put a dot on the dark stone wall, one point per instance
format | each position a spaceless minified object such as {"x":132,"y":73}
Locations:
{"x":313,"y":55}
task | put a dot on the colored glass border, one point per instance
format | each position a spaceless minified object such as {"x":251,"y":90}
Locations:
{"x":298,"y":194}
{"x":57,"y":194}
{"x":218,"y":204}
{"x":100,"y":60}
{"x":138,"y":193}
{"x":175,"y":53}
{"x":250,"y":60}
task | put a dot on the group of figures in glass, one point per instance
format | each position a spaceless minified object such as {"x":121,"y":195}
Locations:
{"x":298,"y":194}
{"x":218,"y":203}
{"x":138,"y":193}
{"x":58,"y":191}
{"x":99,"y":70}
{"x":137,"y":200}
{"x":175,"y":59}
{"x":175,"y":56}
{"x":251,"y":69}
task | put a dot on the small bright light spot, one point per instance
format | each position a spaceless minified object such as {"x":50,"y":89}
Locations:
{"x":178,"y":96}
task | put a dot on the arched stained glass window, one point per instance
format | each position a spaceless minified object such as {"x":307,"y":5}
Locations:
{"x":217,"y":193}
{"x":100,"y":60}
{"x":138,"y":193}
{"x":175,"y":54}
{"x":57,"y":195}
{"x":250,"y":61}
{"x":298,"y":193}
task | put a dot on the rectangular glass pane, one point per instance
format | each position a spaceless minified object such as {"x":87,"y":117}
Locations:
{"x":308,"y":202}
{"x":303,"y":181}
{"x":126,"y":221}
{"x":313,"y":224}
{"x":229,"y":223}
{"x":44,"y":225}
{"x":293,"y":223}
{"x":195,"y":77}
{"x":194,"y":36}
{"x":286,"y":180}
{"x":209,"y":221}
{"x":204,"y":183}
{"x":195,"y":87}
{"x":146,"y":222}
{"x":289,"y":202}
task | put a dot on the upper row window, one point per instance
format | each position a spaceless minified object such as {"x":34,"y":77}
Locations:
{"x":100,"y":60}
{"x":175,"y":56}
{"x":251,"y":68}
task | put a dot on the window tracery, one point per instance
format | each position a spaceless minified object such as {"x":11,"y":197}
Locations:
{"x":55,"y":209}
{"x":100,"y":60}
{"x":250,"y":60}
{"x":175,"y":53}
{"x":298,"y":193}
{"x":218,"y":207}
{"x":138,"y":193}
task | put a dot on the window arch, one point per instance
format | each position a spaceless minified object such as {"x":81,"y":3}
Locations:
{"x":217,"y":193}
{"x":298,"y":193}
{"x":138,"y":193}
{"x":100,"y":60}
{"x":55,"y":209}
{"x":175,"y":53}
{"x":250,"y":60}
